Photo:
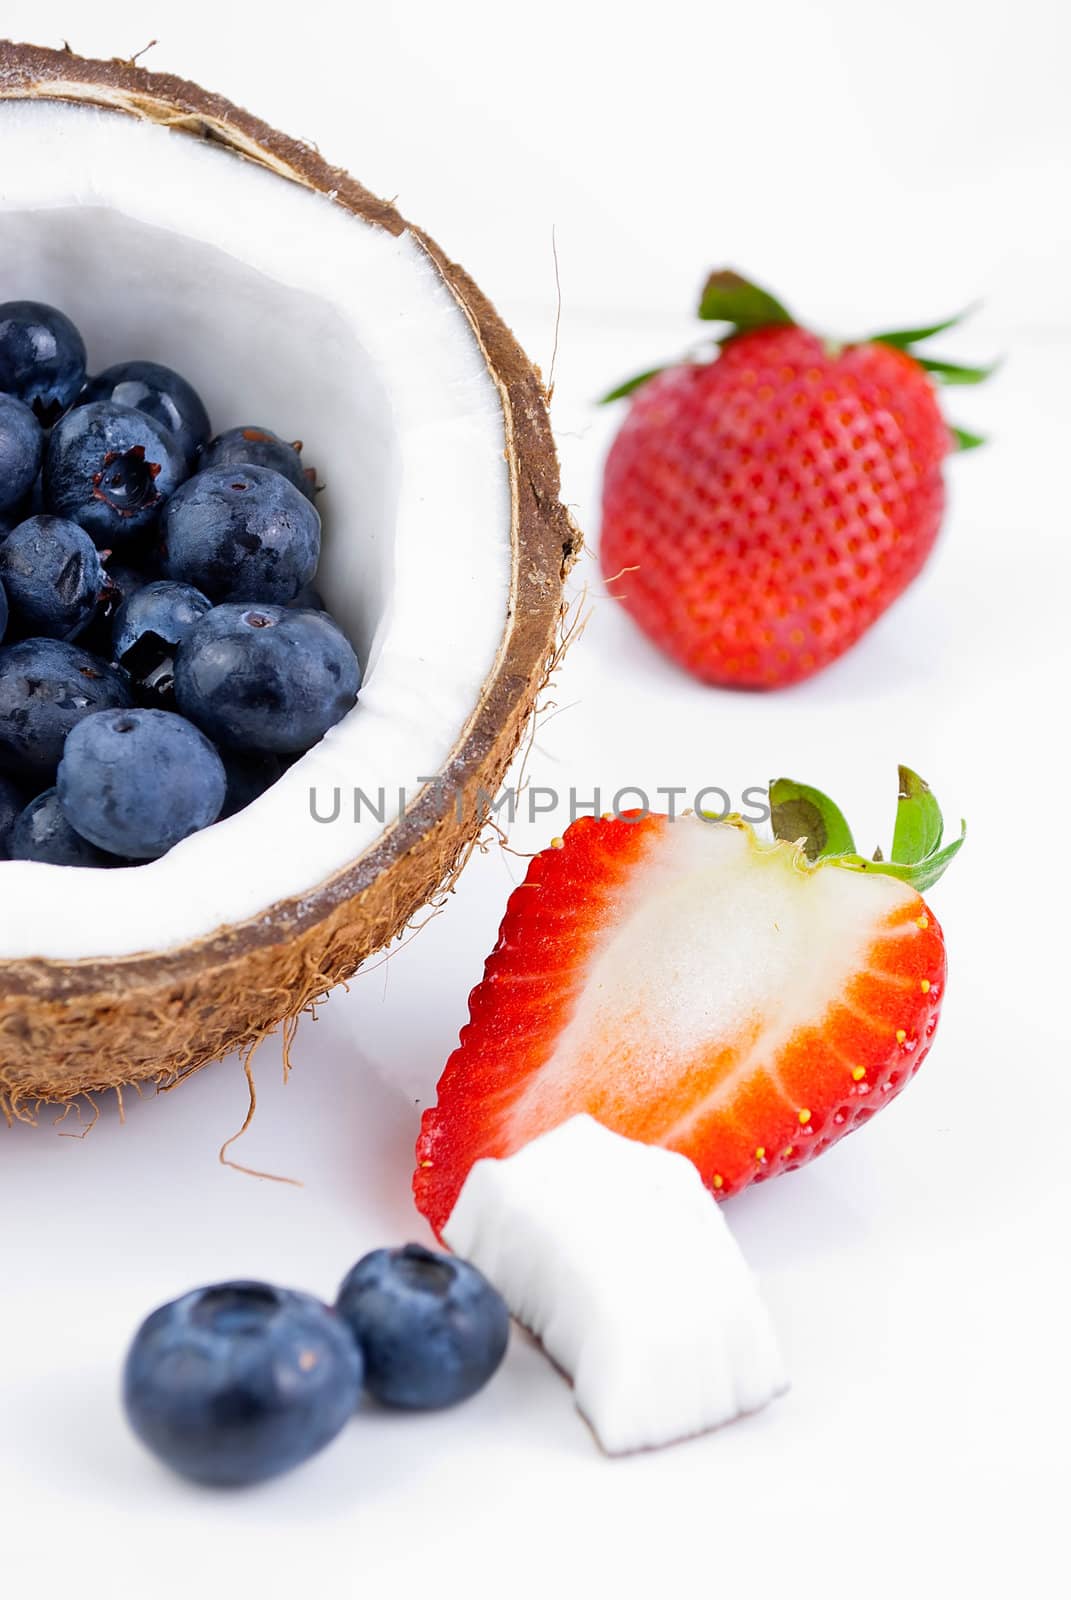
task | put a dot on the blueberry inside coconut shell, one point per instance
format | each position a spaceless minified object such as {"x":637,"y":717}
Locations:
{"x":451,"y":595}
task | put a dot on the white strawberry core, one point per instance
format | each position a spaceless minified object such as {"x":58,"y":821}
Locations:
{"x":715,"y":941}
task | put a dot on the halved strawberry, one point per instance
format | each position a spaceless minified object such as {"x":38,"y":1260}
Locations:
{"x":745,"y":1003}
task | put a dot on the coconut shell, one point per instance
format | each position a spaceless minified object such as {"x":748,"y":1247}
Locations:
{"x":75,"y":1028}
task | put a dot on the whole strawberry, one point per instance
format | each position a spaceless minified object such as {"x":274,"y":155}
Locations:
{"x":762,"y":509}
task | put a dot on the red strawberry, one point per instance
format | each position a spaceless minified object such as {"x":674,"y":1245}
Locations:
{"x":688,"y":985}
{"x":761,"y":510}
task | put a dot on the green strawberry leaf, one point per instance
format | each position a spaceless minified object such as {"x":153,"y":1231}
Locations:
{"x":967,"y":441}
{"x":951,"y":373}
{"x":799,"y":812}
{"x":919,"y":824}
{"x":927,"y":872}
{"x":902,"y":338}
{"x":921,"y":875}
{"x":727,"y":297}
{"x":629,"y":386}
{"x":918,"y":857}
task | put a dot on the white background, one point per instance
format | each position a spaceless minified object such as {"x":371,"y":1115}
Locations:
{"x":875,"y":165}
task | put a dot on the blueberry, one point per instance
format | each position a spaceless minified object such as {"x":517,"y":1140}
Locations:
{"x":431,"y":1328}
{"x":96,"y":637}
{"x":21,"y":446}
{"x":264,"y":678}
{"x":3,"y":612}
{"x":53,"y":575}
{"x":11,"y":803}
{"x":127,"y":579}
{"x":239,"y":1382}
{"x":110,"y":469}
{"x":167,"y":609}
{"x":148,"y":627}
{"x":135,"y":567}
{"x":249,"y":774}
{"x":42,"y":833}
{"x":42,"y":357}
{"x":46,"y":688}
{"x":136,"y":782}
{"x":241,"y":533}
{"x":307,"y":599}
{"x":159,"y":392}
{"x":123,"y":580}
{"x":259,"y":447}
{"x":31,"y":505}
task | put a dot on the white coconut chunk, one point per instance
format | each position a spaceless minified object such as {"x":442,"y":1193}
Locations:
{"x":618,"y":1259}
{"x":285,"y":311}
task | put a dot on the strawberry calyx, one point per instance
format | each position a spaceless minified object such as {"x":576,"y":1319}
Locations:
{"x":622,"y":390}
{"x":964,"y":440}
{"x":807,"y":817}
{"x":952,"y":373}
{"x":743,"y":306}
{"x":729,"y":297}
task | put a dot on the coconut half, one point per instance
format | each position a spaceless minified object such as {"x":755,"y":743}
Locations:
{"x":175,"y":227}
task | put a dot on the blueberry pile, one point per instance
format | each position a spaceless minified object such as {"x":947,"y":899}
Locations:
{"x":164,"y":654}
{"x":239,"y":1382}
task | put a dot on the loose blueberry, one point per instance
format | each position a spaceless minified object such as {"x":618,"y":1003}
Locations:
{"x":42,"y":357}
{"x":110,"y":468}
{"x":239,"y":1382}
{"x":53,"y":575}
{"x":21,"y":446}
{"x":259,"y":447}
{"x":12,"y":801}
{"x":3,"y":612}
{"x":148,"y":626}
{"x":432,"y":1330}
{"x":264,"y":678}
{"x":42,"y":833}
{"x":249,"y":774}
{"x":136,"y":782}
{"x":161,"y":393}
{"x":46,"y":688}
{"x":241,"y":533}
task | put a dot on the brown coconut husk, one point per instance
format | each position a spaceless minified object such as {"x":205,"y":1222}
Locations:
{"x":75,"y":1028}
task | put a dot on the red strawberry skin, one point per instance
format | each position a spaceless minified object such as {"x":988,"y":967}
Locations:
{"x":760,"y":512}
{"x":762,"y":1094}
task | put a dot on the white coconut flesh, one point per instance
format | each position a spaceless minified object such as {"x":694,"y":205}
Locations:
{"x":614,"y":1254}
{"x":283,"y":310}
